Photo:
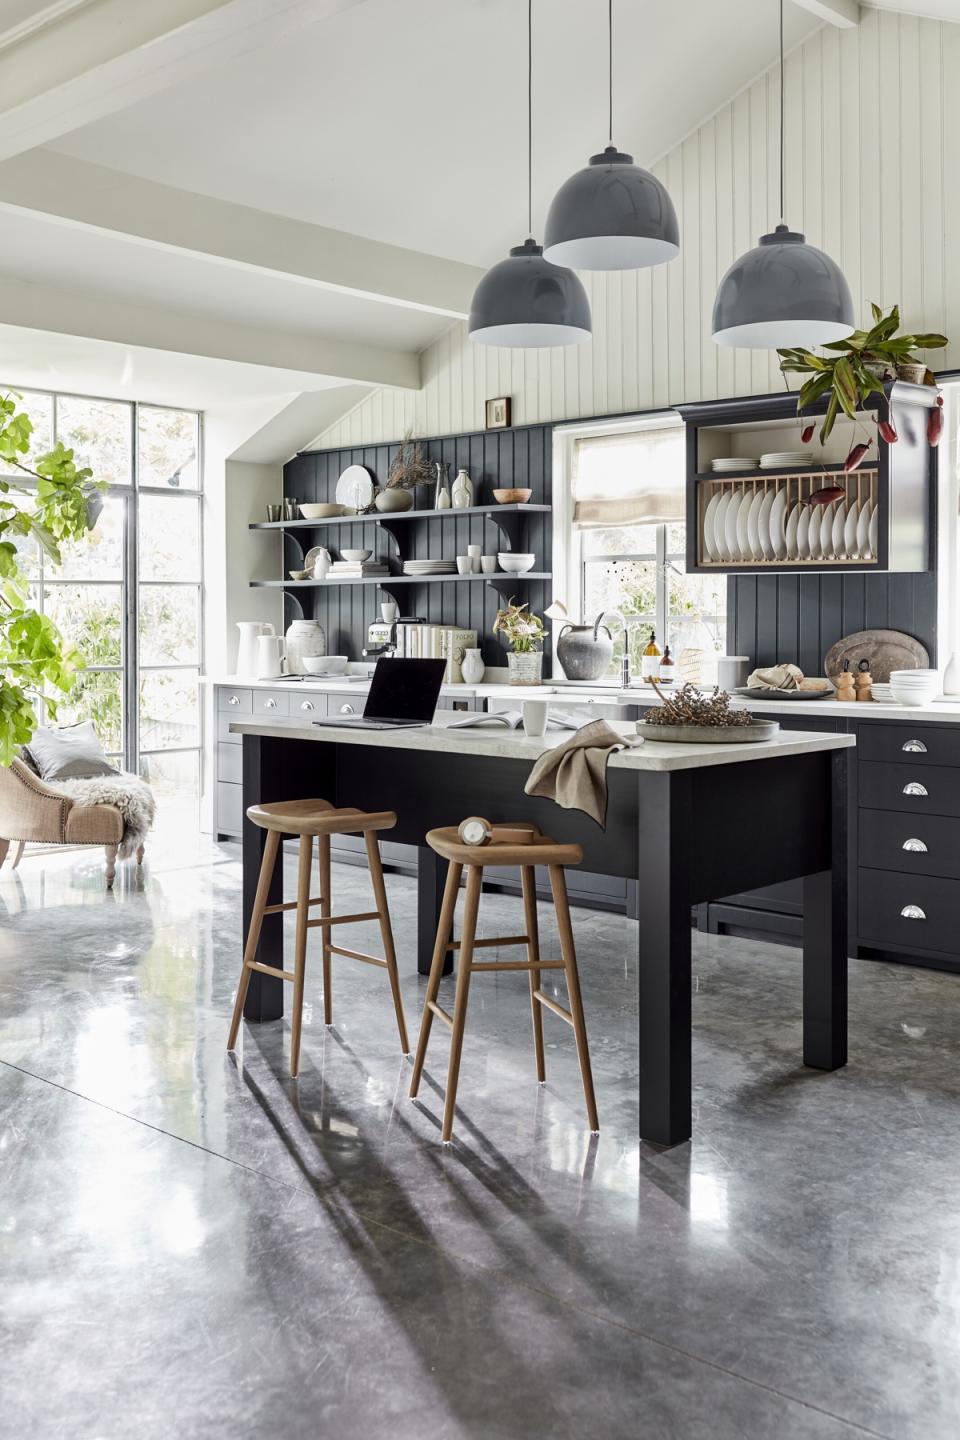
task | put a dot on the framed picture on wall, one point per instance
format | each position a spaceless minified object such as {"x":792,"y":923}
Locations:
{"x":498,"y":413}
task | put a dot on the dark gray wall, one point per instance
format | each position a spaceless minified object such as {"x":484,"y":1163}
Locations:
{"x":497,"y":458}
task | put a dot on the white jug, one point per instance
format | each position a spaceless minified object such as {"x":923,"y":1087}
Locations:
{"x":270,"y":652}
{"x":247,"y":655}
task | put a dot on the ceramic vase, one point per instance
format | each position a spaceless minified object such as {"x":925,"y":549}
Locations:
{"x":472,"y":667}
{"x":392,"y":500}
{"x":461,"y":494}
{"x":304,"y":637}
{"x":442,"y":497}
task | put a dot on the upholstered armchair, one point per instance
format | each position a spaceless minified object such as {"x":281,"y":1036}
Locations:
{"x":31,"y":810}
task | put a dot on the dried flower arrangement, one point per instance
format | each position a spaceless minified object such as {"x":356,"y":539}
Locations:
{"x":689,"y":707}
{"x":410,"y":466}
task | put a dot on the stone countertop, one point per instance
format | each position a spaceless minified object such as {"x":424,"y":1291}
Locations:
{"x":511,"y":745}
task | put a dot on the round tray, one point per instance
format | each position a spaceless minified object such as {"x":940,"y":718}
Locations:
{"x":710,"y":734}
{"x":746,"y":693}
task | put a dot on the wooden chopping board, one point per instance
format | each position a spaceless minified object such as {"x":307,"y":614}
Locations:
{"x":886,"y":650}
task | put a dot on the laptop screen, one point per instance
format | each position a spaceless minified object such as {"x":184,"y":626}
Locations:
{"x":404,"y":690}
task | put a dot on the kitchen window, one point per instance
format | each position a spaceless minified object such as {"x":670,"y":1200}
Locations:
{"x":129,"y":594}
{"x":619,"y":541}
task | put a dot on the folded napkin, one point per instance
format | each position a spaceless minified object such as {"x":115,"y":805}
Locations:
{"x":575,"y":773}
{"x":776,"y":677}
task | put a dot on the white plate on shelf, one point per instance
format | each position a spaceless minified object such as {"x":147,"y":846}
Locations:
{"x":730,"y":526}
{"x":719,"y":526}
{"x":763,"y":525}
{"x":826,"y":533}
{"x":733,"y":462}
{"x":709,"y":549}
{"x":753,"y":523}
{"x":874,"y":532}
{"x":850,"y":531}
{"x":793,"y":531}
{"x":355,"y":487}
{"x":863,"y":531}
{"x":778,"y":536}
{"x":803,"y":532}
{"x":839,"y":527}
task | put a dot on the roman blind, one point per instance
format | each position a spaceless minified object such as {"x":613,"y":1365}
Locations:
{"x":631,"y":478}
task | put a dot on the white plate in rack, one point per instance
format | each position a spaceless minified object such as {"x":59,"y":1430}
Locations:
{"x":793,"y":530}
{"x":719,"y":523}
{"x":850,"y":531}
{"x":839,"y":527}
{"x":709,"y":550}
{"x":743,"y":525}
{"x":803,"y":532}
{"x":763,"y":525}
{"x":863,"y":531}
{"x":753,"y":524}
{"x":730,"y":526}
{"x":826,"y":533}
{"x":778,"y":537}
{"x":874,"y":532}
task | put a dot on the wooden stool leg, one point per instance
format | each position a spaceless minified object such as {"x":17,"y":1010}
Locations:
{"x":300,"y":949}
{"x":444,"y":927}
{"x":110,"y":855}
{"x":253,"y":934}
{"x":19,"y":855}
{"x":323,"y":863}
{"x":528,"y":879}
{"x":558,"y":885}
{"x":465,"y":966}
{"x":386,"y":933}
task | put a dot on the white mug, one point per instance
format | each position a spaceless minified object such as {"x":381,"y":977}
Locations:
{"x":389,"y":610}
{"x":464,"y":565}
{"x":535,"y":718}
{"x":488,"y":564}
{"x":474,"y":552}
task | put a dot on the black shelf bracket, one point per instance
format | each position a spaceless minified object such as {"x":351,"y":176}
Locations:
{"x":399,"y":534}
{"x":511,"y":524}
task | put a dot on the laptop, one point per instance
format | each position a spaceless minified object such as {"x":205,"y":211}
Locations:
{"x":402,"y":694}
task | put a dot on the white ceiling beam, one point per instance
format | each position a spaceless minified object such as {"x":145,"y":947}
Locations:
{"x":74,"y":63}
{"x":845,"y":14}
{"x":81,"y":193}
{"x":98,"y":317}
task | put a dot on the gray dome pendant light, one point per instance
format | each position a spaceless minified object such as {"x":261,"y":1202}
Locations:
{"x":613,"y":215}
{"x":524,"y":301}
{"x":783,"y":293}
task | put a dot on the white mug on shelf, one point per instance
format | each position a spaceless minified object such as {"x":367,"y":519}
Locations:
{"x":535,"y":718}
{"x":389,"y":610}
{"x":464,"y":565}
{"x":488,"y":564}
{"x":474,"y":552}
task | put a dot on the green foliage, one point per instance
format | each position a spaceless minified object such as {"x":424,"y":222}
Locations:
{"x":521,"y":630}
{"x":33,"y":655}
{"x":849,"y":375}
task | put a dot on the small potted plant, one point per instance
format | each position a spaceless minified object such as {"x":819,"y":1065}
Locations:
{"x":409,"y":469}
{"x":855,"y":369}
{"x":523,"y":633}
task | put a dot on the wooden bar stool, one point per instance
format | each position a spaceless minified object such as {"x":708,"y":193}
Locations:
{"x":522,"y":846}
{"x":309,"y":818}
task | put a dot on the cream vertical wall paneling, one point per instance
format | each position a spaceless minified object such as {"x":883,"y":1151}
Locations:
{"x":872,"y":116}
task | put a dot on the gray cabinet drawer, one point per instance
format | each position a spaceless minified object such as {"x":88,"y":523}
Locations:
{"x":916,"y":789}
{"x":229,"y":809}
{"x":309,"y":705}
{"x":238,"y":702}
{"x":919,"y":911}
{"x":271,"y":702}
{"x":224,"y":735}
{"x":920,"y":744}
{"x":230,"y":762}
{"x":912,"y":844}
{"x":345,"y":702}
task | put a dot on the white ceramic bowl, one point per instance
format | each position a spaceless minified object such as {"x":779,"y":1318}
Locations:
{"x":515,"y":564}
{"x":356,"y":555}
{"x":320,"y":512}
{"x":325,"y":664}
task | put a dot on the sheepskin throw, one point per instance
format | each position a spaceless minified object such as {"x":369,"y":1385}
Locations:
{"x":131,"y":796}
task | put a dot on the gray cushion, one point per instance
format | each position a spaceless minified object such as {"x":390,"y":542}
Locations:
{"x":67,"y":754}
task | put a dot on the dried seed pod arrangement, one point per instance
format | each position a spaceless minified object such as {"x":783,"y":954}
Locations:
{"x":689,"y":707}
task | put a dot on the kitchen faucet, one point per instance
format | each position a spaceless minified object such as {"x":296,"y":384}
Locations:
{"x":625,"y":679}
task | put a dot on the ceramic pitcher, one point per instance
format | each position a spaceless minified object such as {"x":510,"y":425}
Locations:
{"x":270,"y":652}
{"x":247,"y":654}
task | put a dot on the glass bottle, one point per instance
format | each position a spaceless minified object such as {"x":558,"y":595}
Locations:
{"x":650,"y":661}
{"x":441,"y":500}
{"x":666,"y":667}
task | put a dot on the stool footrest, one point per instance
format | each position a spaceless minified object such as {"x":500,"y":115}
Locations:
{"x":288,"y":905}
{"x":493,"y":940}
{"x":271,"y":970}
{"x":343,"y":919}
{"x":439,"y":1011}
{"x":358,"y":955}
{"x":517,"y":965}
{"x":554,"y":1006}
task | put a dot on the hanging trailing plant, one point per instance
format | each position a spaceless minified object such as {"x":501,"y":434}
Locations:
{"x":857,"y":368}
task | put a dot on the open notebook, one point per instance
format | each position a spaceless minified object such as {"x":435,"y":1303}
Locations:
{"x":513,"y":720}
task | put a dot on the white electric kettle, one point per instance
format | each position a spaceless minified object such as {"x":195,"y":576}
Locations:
{"x":247,"y":654}
{"x":271,"y":650}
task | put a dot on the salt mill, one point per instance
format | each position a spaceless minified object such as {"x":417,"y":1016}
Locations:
{"x":845,"y":690}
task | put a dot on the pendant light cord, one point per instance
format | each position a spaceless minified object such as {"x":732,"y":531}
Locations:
{"x":781,"y":115}
{"x":610,"y":68}
{"x":530,"y":118}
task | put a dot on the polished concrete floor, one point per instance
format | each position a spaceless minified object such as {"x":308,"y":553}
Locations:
{"x":191,"y":1245}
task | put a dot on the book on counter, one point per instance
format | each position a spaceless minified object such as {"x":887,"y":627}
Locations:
{"x":512,"y":720}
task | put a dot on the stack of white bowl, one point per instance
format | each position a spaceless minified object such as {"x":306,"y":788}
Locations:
{"x":914,"y":687}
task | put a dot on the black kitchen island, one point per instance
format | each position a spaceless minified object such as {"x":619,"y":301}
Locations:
{"x":688,"y":823}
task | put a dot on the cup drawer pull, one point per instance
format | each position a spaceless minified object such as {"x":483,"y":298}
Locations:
{"x":914,"y":747}
{"x":346,"y":710}
{"x":306,"y":704}
{"x":912,"y":912}
{"x":914,"y":788}
{"x":234,"y":700}
{"x":270,"y":704}
{"x":916,"y":845}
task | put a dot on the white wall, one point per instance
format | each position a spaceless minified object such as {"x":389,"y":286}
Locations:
{"x":873,"y":116}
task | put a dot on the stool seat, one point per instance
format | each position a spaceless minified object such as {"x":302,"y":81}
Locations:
{"x":318,"y":817}
{"x":541,"y":850}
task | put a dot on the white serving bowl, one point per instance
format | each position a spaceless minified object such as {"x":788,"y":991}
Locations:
{"x":321,"y":512}
{"x":325,"y":664}
{"x":356,"y":555}
{"x":515,"y":564}
{"x":913,"y":695}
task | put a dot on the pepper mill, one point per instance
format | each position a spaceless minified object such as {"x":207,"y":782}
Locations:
{"x":845,"y":690}
{"x":864,"y":681}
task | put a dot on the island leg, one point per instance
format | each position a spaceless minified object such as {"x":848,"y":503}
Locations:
{"x":665,"y":820}
{"x":262,"y":781}
{"x":825,"y":939}
{"x":431,"y":879}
